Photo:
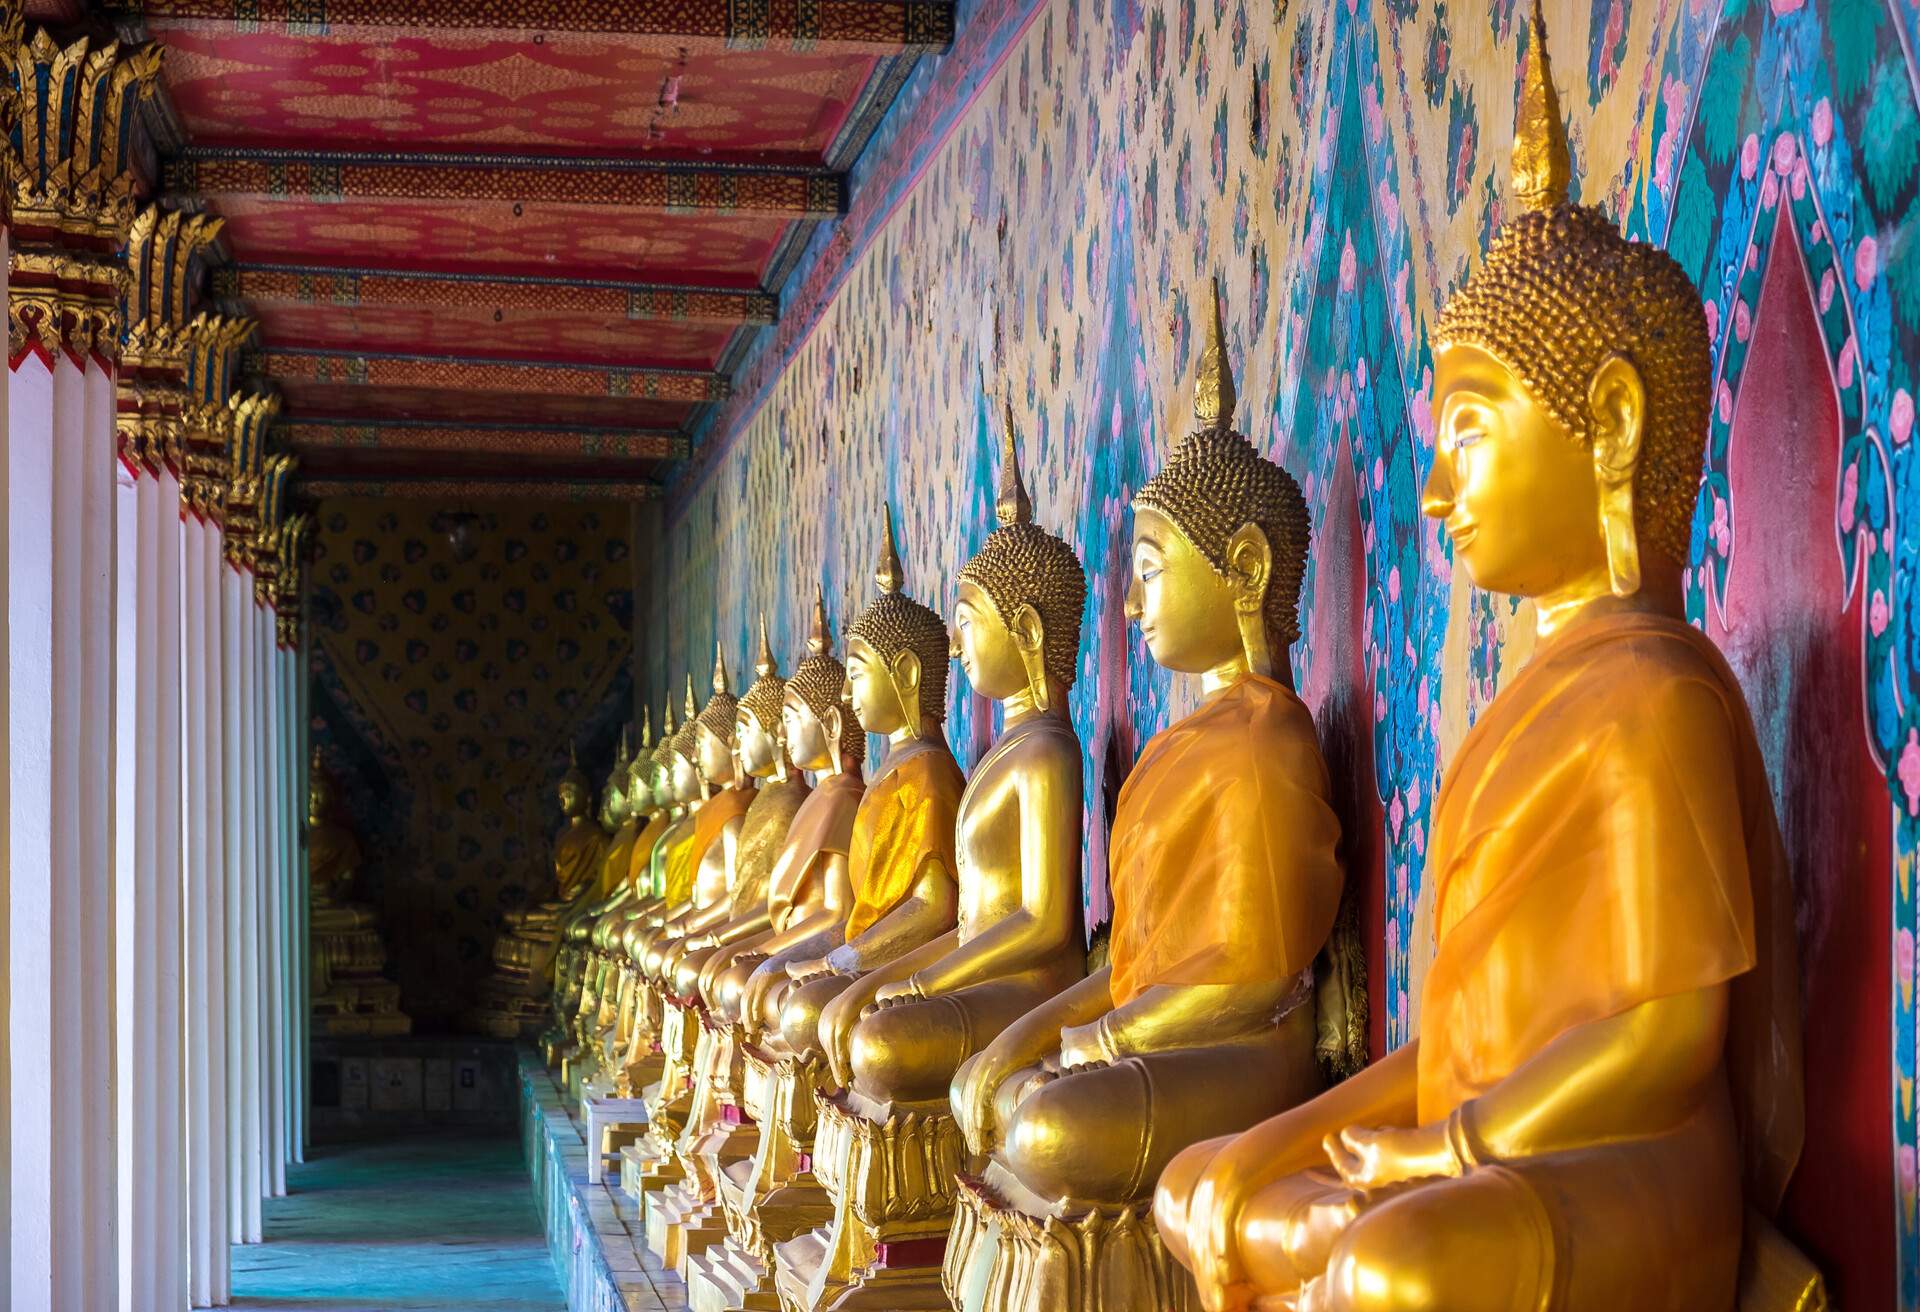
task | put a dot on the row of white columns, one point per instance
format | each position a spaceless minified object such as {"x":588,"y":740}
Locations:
{"x":153,"y":1036}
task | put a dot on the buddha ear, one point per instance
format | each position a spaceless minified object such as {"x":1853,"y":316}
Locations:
{"x":1617,"y":398}
{"x":830,"y":725}
{"x":1250,"y":571}
{"x":905,"y":671}
{"x":1029,"y":636}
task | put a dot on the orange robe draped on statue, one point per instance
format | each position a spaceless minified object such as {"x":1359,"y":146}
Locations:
{"x":1223,"y":863}
{"x":905,"y":821}
{"x":822,"y":827}
{"x":640,"y":864}
{"x":712,"y":818}
{"x":1583,"y":864}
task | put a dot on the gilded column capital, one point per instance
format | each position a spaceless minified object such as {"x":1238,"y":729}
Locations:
{"x":69,"y":190}
{"x":152,"y":395}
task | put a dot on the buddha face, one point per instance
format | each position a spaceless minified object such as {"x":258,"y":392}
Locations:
{"x":639,"y":791}
{"x":686,"y":779}
{"x":986,"y":645}
{"x":660,"y":778}
{"x":1516,"y":491}
{"x":877,"y":693}
{"x":573,"y":799}
{"x":716,"y":757}
{"x":758,"y":748}
{"x":807,"y":739}
{"x":1184,"y":607}
{"x":320,"y":799}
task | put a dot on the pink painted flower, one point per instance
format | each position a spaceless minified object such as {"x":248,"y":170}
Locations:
{"x":1379,"y":473}
{"x":1900,"y":420}
{"x":1750,"y":156}
{"x":1379,"y":706}
{"x":1393,"y":938}
{"x":1722,"y":525}
{"x":1877,"y":615}
{"x":1360,"y":374}
{"x":1742,"y":320}
{"x":1420,"y":696}
{"x":1401,"y":882}
{"x":1769,"y":196}
{"x":1713,"y":320}
{"x":1785,"y":151}
{"x":1800,"y":179}
{"x":1786,"y":6}
{"x":1866,"y":262}
{"x":1903,"y":958}
{"x":1906,"y":1160}
{"x":1396,"y":815}
{"x":1849,"y":496}
{"x":1348,"y":264}
{"x":1393,"y":584}
{"x":1910,"y":771}
{"x":1822,"y":122}
{"x":1724,"y":402}
{"x":1828,"y":285}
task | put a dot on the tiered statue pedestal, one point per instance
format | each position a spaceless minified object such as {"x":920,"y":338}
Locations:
{"x":1006,"y":1258}
{"x":769,"y":1197}
{"x":890,"y":1172}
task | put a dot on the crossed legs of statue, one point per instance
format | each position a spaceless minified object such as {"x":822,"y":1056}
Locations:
{"x":907,"y":1051}
{"x":1570,"y":1231}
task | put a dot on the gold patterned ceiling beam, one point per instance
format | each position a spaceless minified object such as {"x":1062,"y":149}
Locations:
{"x":478,"y":489}
{"x":351,"y":369}
{"x":654,"y":186}
{"x":547,"y":443}
{"x":873,"y":27}
{"x":380,"y":287}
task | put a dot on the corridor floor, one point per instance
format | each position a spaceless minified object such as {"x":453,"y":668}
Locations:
{"x":402,"y":1226}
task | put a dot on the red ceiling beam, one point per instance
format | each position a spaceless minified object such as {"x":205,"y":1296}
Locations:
{"x":470,"y":439}
{"x":315,"y":286}
{"x":667,"y":188}
{"x":477,"y":489}
{"x":354,"y":369}
{"x":869,"y":27}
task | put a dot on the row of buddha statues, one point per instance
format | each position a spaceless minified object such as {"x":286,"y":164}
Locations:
{"x":877,"y":1068}
{"x":351,"y":995}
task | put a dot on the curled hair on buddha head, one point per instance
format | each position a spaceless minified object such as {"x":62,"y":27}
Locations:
{"x":894,"y":623}
{"x":716,"y":717}
{"x":1216,"y":483}
{"x":762,"y":700}
{"x":817,"y":681}
{"x":1560,"y":291}
{"x":662,"y":756}
{"x":1021,"y":564}
{"x":685,"y":743}
{"x":574,"y":778}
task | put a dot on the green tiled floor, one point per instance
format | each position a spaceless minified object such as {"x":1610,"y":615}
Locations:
{"x":422,"y":1223}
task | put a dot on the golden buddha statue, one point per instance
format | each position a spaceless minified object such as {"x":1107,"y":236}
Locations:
{"x":1603,"y":1104}
{"x":894,"y":1039}
{"x":350,"y":993}
{"x":688,"y":1219}
{"x":767,"y":1197}
{"x":571,"y":964}
{"x":1225,"y":886}
{"x":513,"y":1000}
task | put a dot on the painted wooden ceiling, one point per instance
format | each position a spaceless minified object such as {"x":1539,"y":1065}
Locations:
{"x":514,"y":239}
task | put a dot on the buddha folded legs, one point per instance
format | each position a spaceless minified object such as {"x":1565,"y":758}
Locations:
{"x":1603,"y":1105}
{"x":1225,"y":887}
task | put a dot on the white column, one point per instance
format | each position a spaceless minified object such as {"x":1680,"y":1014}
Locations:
{"x":165,"y":1282}
{"x":62,"y":1214}
{"x":283,"y":766}
{"x":303,"y":891}
{"x":133,"y":866}
{"x":210,"y":657}
{"x":273,"y":996}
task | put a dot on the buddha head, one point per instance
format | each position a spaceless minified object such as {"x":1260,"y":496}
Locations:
{"x":757,"y":731}
{"x":1571,"y":389}
{"x":822,"y":732}
{"x":713,"y":729}
{"x":688,"y":783}
{"x":660,"y":762}
{"x":615,"y":806}
{"x":897,"y":656}
{"x":574,"y":789}
{"x":1219,"y":540}
{"x":640,"y":798}
{"x":1016,"y":619}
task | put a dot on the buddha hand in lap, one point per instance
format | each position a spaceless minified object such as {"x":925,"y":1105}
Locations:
{"x":1613,"y":1133}
{"x":1225,"y":886}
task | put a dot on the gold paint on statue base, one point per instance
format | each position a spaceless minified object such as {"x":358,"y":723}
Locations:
{"x":890,"y":1172}
{"x":1110,"y":1259}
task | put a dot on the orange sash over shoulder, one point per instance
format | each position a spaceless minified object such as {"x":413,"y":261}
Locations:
{"x":640,"y":864}
{"x":905,"y":820}
{"x":1605,"y":837}
{"x":821,"y":827}
{"x":708,"y":823}
{"x":1222,"y":862}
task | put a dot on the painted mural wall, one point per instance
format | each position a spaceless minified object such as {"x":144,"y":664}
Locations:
{"x":445,"y":695}
{"x":1038,"y":221}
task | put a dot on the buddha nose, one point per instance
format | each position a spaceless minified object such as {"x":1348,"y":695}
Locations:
{"x":1436,"y":498}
